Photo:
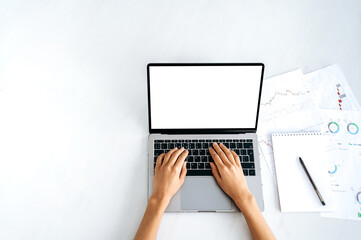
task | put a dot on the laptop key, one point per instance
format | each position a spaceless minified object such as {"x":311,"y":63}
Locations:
{"x":171,"y":145}
{"x":207,"y":165}
{"x":197,"y":158}
{"x":158,"y":152}
{"x":200,"y":165}
{"x":245,"y":172}
{"x":195,"y":152}
{"x":250,"y":154}
{"x":157,"y":146}
{"x":245,"y":159}
{"x":191,"y":146}
{"x":188,"y":165}
{"x":248,"y":145}
{"x":252,"y":172}
{"x":232,"y":145}
{"x":193,"y":165}
{"x":178,"y":145}
{"x":247,"y":165}
{"x":202,"y":152}
{"x":204,"y":159}
{"x":226,"y":144}
{"x":243,"y":152}
{"x":190,"y":159}
{"x":164,"y":146}
{"x":239,"y":145}
{"x":204,"y":172}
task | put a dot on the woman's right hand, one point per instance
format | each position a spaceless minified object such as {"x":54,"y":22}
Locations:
{"x":228,"y":172}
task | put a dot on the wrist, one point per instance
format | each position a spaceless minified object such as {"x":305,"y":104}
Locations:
{"x":244,"y":200}
{"x":158,"y":202}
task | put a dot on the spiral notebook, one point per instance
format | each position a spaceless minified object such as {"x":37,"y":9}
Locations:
{"x":295,"y":190}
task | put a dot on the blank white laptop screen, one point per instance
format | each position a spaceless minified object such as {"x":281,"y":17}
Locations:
{"x":197,"y":97}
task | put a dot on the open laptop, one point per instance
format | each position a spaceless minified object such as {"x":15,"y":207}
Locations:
{"x":194,"y":105}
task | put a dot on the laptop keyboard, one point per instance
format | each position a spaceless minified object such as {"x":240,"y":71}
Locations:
{"x":199,"y":158}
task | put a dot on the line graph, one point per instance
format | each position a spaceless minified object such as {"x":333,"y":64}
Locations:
{"x":286,"y":105}
{"x":287,"y":92}
{"x":266,"y":143}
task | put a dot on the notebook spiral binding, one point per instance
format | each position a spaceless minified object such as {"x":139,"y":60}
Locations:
{"x":298,"y":134}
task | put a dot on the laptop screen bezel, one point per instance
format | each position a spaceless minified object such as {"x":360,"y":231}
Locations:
{"x":202,"y":130}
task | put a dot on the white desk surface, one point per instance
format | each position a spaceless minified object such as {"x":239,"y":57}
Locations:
{"x":73,"y":106}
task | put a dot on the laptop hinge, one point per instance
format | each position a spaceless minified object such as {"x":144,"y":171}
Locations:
{"x":202,"y":133}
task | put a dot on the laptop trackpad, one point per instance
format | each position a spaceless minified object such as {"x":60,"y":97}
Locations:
{"x":203,"y":193}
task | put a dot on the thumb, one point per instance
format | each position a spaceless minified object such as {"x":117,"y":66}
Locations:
{"x":183,"y":172}
{"x":216,"y":174}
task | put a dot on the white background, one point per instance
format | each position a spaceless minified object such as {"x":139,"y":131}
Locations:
{"x":204,"y":96}
{"x":73,"y":105}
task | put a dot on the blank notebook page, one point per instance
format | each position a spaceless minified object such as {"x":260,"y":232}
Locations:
{"x":295,"y":190}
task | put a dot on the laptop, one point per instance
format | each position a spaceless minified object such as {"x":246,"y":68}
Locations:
{"x":194,"y":105}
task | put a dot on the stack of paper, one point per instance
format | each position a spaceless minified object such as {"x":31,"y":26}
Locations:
{"x":318,"y":101}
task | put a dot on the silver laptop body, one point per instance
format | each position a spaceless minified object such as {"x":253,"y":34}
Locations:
{"x":205,"y":103}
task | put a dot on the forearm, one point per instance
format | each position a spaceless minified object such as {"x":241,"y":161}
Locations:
{"x":153,"y":215}
{"x":254,"y":218}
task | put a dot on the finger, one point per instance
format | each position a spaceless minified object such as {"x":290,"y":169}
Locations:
{"x":175,"y":156}
{"x":216,"y":174}
{"x":159,"y":162}
{"x":228,"y":153}
{"x":236,"y":158}
{"x":216,"y":158}
{"x":179,"y":163}
{"x":221,"y":154}
{"x":168,"y":154}
{"x":183,"y":172}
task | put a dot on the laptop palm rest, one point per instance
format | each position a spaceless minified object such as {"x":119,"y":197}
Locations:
{"x":204,"y":194}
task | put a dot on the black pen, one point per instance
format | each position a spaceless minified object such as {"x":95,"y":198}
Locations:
{"x":313,"y":184}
